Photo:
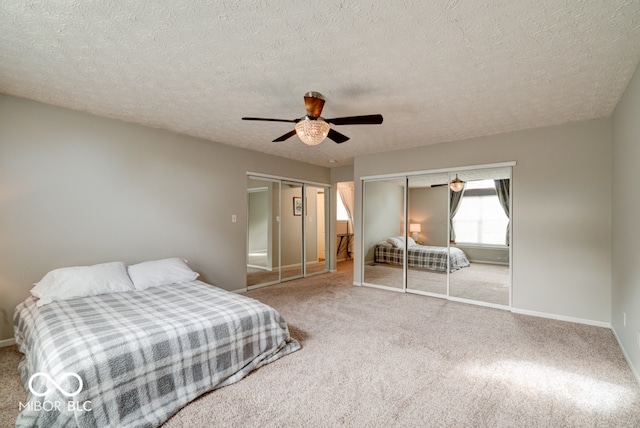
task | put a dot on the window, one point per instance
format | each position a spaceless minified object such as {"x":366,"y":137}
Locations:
{"x":480,"y":218}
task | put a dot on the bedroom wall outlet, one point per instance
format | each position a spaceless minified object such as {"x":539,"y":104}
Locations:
{"x":624,"y":319}
{"x":233,"y":218}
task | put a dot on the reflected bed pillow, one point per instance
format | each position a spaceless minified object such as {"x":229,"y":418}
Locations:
{"x":82,"y":281}
{"x":398,"y":241}
{"x":161,"y":272}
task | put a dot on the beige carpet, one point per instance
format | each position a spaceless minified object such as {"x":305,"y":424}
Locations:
{"x":480,"y":281}
{"x":260,"y":276}
{"x":376,"y":358}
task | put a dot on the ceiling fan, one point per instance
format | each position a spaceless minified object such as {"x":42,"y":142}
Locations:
{"x":313,"y":129}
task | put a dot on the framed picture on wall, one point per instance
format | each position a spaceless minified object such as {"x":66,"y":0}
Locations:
{"x":297,"y":205}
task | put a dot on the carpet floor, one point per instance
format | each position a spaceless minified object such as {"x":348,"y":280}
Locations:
{"x":480,"y":281}
{"x":373,"y":358}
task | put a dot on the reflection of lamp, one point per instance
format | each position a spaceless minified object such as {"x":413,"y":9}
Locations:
{"x":456,"y":184}
{"x":312,"y":131}
{"x":415,"y":229}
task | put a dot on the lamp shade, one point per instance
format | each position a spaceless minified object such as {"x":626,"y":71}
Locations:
{"x":312,"y":131}
{"x":415,"y":228}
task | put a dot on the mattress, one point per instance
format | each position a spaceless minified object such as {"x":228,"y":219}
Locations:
{"x":423,"y":257}
{"x":140,"y":356}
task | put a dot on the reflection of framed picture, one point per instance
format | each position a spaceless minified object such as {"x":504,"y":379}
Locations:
{"x":297,"y":205}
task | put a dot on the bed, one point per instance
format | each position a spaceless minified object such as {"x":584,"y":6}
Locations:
{"x":141,"y":355}
{"x":422,"y":257}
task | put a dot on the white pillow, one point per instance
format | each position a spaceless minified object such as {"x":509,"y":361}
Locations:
{"x":82,"y":281}
{"x":398,"y":243}
{"x":160,"y":272}
{"x":384,"y":244}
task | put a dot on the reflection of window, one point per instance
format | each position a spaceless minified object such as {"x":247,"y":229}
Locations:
{"x":341,"y":210}
{"x":480,"y":218}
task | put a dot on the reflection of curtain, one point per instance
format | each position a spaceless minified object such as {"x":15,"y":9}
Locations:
{"x":502,"y":189}
{"x":456,"y":197}
{"x":346,"y":195}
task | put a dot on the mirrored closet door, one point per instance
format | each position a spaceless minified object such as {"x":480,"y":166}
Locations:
{"x":480,"y":232}
{"x":263,"y":231}
{"x":292,"y":211}
{"x":286,"y":224}
{"x":315,"y":230}
{"x":445,"y":234}
{"x":383,"y":238}
{"x":428,"y":253}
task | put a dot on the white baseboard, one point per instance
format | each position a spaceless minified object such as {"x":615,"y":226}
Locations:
{"x":561,"y":317}
{"x":626,"y":357}
{"x":239,"y":291}
{"x":7,"y":342}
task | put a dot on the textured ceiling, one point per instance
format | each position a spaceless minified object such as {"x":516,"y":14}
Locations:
{"x":438,"y":71}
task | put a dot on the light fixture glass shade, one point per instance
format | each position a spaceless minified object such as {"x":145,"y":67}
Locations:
{"x":456,"y":184}
{"x":415,"y":228}
{"x":312,"y":132}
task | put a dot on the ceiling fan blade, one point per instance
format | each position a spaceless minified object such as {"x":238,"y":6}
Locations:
{"x":271,"y":120}
{"x":371,"y":119}
{"x":313,"y":103}
{"x":337,"y":137}
{"x":285,"y":136}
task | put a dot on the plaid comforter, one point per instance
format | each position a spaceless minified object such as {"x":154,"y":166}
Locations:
{"x":141,"y":355}
{"x":423,"y":257}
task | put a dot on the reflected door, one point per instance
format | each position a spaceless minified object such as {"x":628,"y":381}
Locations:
{"x":383,"y":225}
{"x":428,"y":259}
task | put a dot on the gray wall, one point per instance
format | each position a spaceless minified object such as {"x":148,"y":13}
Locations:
{"x":428,"y":207}
{"x":383,"y":214}
{"x":561,"y":210}
{"x":626,"y":223}
{"x":76,"y":189}
{"x":258,"y":220}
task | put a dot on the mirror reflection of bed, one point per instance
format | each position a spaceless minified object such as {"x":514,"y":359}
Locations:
{"x":465,"y":256}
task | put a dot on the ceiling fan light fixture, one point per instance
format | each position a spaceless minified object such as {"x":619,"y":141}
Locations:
{"x":456,"y":184}
{"x":312,"y":131}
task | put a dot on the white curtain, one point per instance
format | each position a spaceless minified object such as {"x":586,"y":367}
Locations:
{"x":346,"y":195}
